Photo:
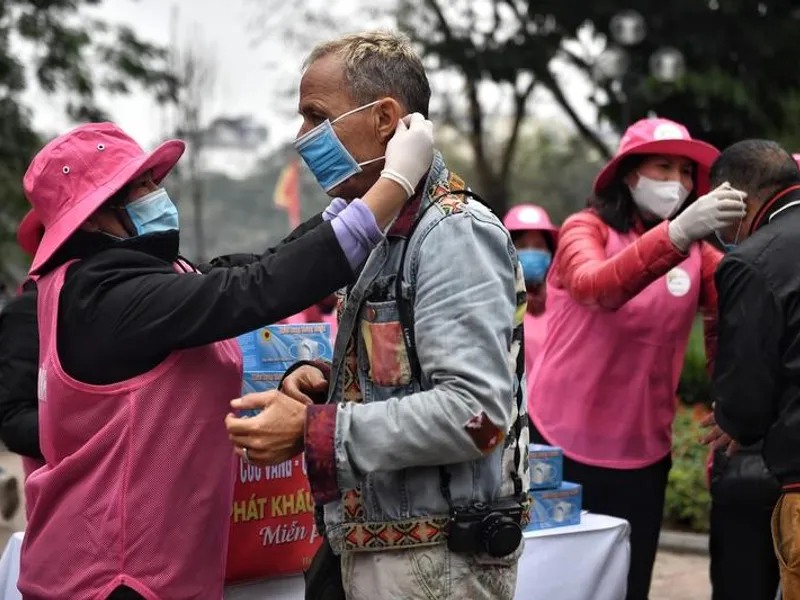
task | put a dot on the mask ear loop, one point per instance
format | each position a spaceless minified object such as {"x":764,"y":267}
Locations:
{"x":739,"y":229}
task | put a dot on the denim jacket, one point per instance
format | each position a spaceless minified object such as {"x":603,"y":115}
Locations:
{"x":374,"y":450}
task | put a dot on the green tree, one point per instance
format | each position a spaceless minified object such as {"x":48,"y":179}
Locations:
{"x":552,"y":168}
{"x":69,"y":56}
{"x":511,"y":44}
{"x":741,"y":79}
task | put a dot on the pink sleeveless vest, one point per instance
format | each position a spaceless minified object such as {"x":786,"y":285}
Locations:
{"x":138,"y":481}
{"x":603,"y":386}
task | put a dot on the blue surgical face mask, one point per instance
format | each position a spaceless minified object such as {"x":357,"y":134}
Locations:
{"x":326,"y":156}
{"x":152,"y":213}
{"x":534,"y":264}
{"x":726,"y":247}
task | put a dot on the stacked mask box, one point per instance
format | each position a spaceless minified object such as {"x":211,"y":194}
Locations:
{"x":272,"y":530}
{"x":546,"y":466}
{"x":555,"y":508}
{"x":554,"y":502}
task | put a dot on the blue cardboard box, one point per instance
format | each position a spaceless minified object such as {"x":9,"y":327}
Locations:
{"x":556,"y":508}
{"x":259,"y":381}
{"x":269,"y":351}
{"x":277,"y":347}
{"x":546,"y":466}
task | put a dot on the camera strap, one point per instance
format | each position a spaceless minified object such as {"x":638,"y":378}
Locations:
{"x":406,"y":314}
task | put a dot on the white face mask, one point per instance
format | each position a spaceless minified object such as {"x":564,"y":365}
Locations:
{"x":660,"y":199}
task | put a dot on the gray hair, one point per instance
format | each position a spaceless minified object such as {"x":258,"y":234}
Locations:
{"x":379,"y":64}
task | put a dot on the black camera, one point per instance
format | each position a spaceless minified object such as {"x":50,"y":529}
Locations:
{"x":495,"y":530}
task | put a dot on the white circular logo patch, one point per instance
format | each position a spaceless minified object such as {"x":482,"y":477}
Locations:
{"x":678,"y":282}
{"x":529,"y":215}
{"x":667,"y":131}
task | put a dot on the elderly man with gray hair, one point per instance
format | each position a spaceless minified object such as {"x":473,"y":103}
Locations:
{"x":416,"y":435}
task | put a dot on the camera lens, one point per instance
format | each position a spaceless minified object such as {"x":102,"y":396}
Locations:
{"x":500,"y":535}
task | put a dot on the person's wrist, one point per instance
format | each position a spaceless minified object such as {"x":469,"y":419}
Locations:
{"x":400,"y":180}
{"x":678,"y":237}
{"x":299,"y":425}
{"x":385,"y":199}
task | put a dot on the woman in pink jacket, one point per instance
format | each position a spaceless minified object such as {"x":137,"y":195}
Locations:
{"x":628,"y":278}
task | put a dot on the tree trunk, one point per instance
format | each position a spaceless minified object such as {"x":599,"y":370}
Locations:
{"x":494,"y":190}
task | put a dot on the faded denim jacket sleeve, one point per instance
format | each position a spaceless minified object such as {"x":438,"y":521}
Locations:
{"x":463,"y":270}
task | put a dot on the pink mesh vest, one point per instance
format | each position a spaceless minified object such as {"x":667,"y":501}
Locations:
{"x":138,"y":481}
{"x":603,"y":386}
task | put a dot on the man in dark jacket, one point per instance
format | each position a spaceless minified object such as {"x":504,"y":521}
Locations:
{"x":757,"y":375}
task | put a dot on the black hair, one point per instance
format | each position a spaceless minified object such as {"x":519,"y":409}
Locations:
{"x":759,"y":167}
{"x":614,"y":203}
{"x":549,"y":239}
{"x":118,"y":198}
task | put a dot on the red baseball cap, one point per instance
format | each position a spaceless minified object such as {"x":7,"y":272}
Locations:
{"x":661,"y":136}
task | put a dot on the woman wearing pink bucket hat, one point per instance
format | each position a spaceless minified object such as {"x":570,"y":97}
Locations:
{"x":535,"y":238}
{"x":628,"y":278}
{"x":138,"y":366}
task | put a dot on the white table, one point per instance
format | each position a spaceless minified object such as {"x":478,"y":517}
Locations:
{"x":581,"y":562}
{"x":9,"y":568}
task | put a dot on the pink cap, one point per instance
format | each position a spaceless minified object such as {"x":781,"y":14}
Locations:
{"x":796,"y":158}
{"x":76,"y":173}
{"x":29,"y":233}
{"x":529,"y":217}
{"x":661,"y":136}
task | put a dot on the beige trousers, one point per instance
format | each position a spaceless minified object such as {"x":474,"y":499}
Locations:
{"x":429,"y":573}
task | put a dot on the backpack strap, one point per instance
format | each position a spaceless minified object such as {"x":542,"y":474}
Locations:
{"x":406,"y":314}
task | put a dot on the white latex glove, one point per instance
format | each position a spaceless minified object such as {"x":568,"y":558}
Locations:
{"x":715,"y":211}
{"x":410,"y":152}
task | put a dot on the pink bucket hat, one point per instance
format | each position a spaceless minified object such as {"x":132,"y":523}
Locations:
{"x":529,"y":217}
{"x":661,"y":136}
{"x":76,"y":173}
{"x":29,"y":233}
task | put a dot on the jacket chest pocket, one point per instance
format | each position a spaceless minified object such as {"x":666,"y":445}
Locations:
{"x":383,"y":346}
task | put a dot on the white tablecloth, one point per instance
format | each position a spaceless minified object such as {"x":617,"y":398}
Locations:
{"x":9,"y":568}
{"x":581,"y":562}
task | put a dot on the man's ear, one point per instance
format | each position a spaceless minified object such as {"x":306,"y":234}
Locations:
{"x":387,"y":113}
